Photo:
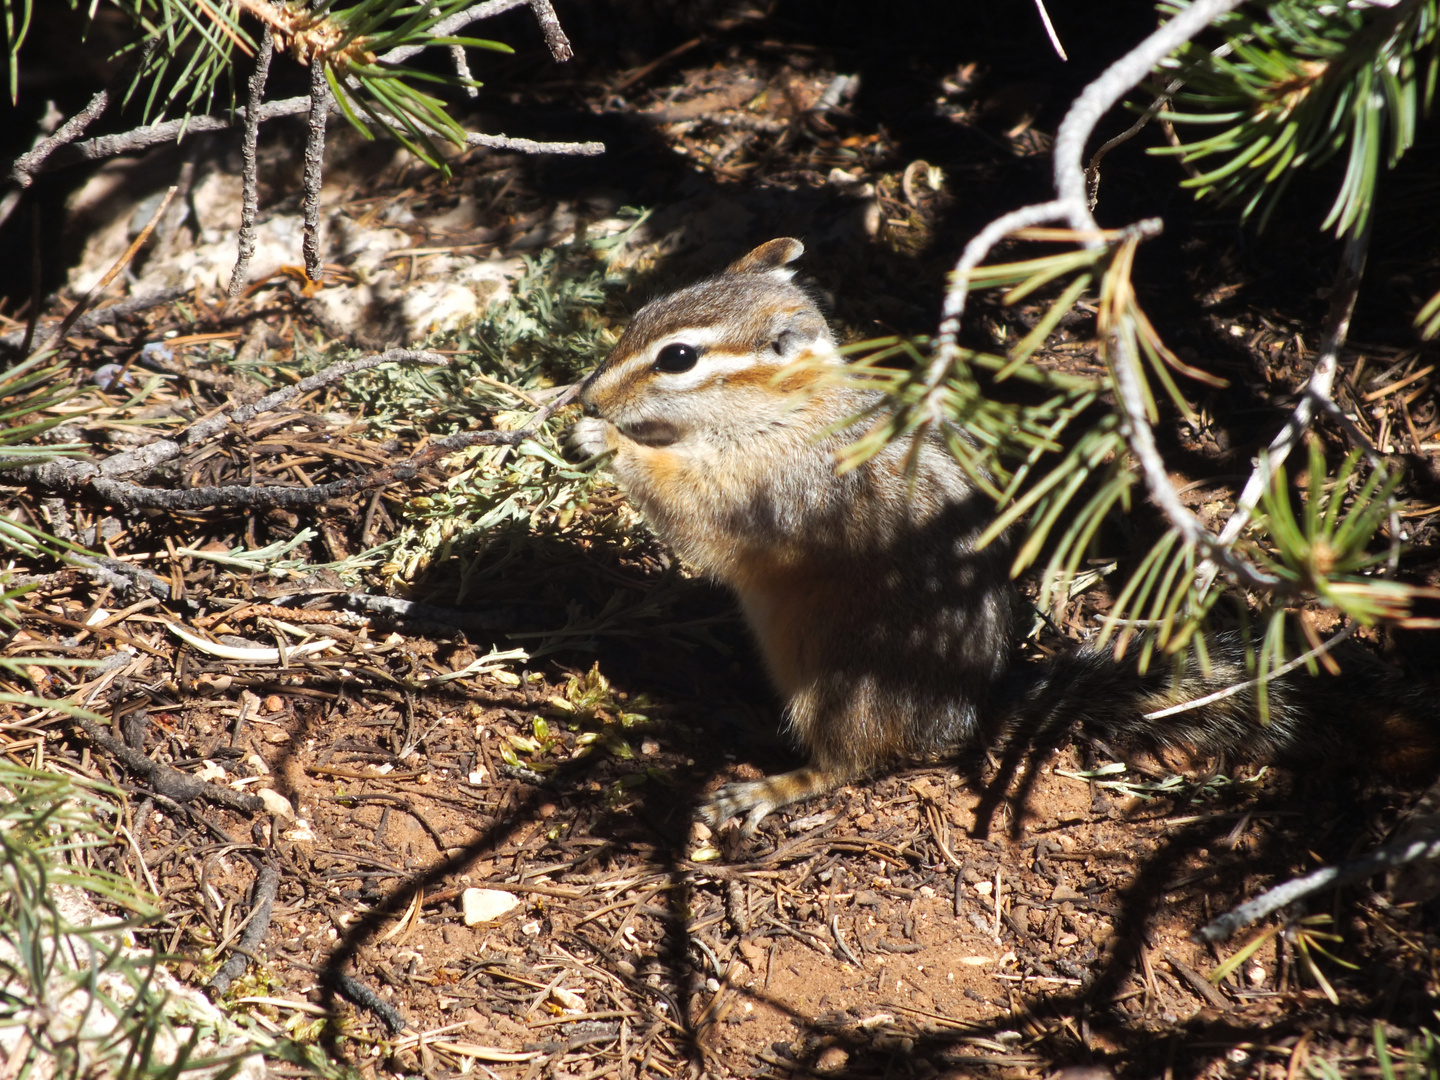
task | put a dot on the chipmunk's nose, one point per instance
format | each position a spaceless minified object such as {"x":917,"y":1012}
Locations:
{"x":590,"y":409}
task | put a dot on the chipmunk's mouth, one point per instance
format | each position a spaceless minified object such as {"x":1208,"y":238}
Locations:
{"x":650,"y":432}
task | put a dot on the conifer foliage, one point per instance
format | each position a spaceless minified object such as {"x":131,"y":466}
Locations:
{"x":1253,"y":95}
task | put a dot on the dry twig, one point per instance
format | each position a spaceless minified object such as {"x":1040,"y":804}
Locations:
{"x":166,"y":781}
{"x":1385,"y":858}
{"x":121,"y":309}
{"x":262,"y":902}
{"x":250,"y":182}
{"x":314,"y":165}
{"x":79,"y":309}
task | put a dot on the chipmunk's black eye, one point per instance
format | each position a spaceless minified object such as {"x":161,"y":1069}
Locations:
{"x":677,"y":357}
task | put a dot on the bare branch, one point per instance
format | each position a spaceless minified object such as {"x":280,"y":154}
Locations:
{"x":1102,"y":95}
{"x":1329,"y":877}
{"x":530,"y":146}
{"x":1316,"y":393}
{"x":314,"y":164}
{"x":250,"y":182}
{"x":1070,"y":185}
{"x":973,"y":255}
{"x":1092,"y":171}
{"x":107,"y":146}
{"x":166,"y":780}
{"x":138,"y":139}
{"x":1137,"y":431}
{"x":555,"y":38}
{"x":455,"y":23}
{"x":124,"y":578}
{"x":462,"y":71}
{"x":28,"y":164}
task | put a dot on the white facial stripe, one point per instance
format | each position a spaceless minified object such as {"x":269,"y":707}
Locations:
{"x":712,"y":361}
{"x":702,"y":337}
{"x":711,"y":364}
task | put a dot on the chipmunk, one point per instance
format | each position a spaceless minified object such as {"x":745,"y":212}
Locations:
{"x":883,"y":624}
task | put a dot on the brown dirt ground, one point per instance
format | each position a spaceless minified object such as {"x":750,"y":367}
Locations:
{"x":931,"y":922}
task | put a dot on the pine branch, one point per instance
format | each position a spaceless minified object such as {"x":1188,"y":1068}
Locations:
{"x":61,"y":153}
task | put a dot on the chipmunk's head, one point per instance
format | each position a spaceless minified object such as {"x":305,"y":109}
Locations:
{"x":709,"y":357}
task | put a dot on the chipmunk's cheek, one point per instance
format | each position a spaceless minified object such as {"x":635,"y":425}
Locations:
{"x":650,"y":432}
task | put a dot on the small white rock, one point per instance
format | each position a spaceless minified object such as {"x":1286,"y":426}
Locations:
{"x":568,"y":1000}
{"x":276,"y":804}
{"x":210,"y":772}
{"x":301,"y":833}
{"x":486,"y":905}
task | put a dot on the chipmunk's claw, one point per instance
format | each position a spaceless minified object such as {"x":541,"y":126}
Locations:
{"x":748,"y":800}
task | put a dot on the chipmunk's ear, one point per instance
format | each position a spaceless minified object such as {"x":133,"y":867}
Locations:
{"x":770,"y":258}
{"x":796,"y":332}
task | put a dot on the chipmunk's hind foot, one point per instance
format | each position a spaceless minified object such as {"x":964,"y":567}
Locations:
{"x":753,"y":800}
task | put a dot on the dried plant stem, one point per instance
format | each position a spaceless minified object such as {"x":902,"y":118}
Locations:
{"x":79,"y":309}
{"x":1104,"y":93}
{"x":1240,"y":687}
{"x":250,"y":182}
{"x":1050,"y":30}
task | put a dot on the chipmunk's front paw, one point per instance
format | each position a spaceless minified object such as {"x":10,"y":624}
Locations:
{"x":752,"y":800}
{"x":589,"y":437}
{"x":749,"y":801}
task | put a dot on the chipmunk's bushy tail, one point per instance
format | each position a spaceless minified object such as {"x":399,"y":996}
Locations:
{"x":1365,"y":716}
